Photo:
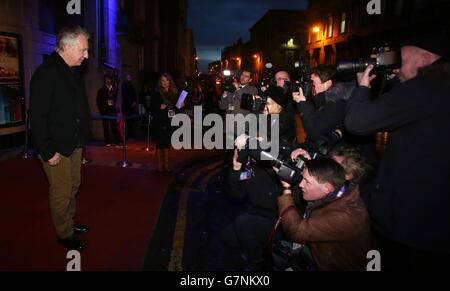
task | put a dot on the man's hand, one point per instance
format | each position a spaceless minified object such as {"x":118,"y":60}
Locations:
{"x":298,"y":96}
{"x":236,"y":165}
{"x":163,"y":106}
{"x":364,"y":79}
{"x":300,"y":152}
{"x":55,"y":160}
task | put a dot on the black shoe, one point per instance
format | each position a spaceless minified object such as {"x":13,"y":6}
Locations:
{"x":80,"y":228}
{"x":72,"y":243}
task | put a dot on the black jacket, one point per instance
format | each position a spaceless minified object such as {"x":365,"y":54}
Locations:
{"x":106,"y":101}
{"x":260,"y":192}
{"x":411,"y":204}
{"x":128,"y":98}
{"x":59,"y":110}
{"x":325,"y":112}
{"x":161,"y":120}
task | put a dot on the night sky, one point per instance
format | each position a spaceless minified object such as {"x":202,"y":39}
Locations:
{"x":219,"y":23}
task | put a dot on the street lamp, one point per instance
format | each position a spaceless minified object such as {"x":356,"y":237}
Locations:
{"x":316,"y":29}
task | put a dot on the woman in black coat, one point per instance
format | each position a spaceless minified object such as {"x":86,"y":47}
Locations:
{"x":163,"y":109}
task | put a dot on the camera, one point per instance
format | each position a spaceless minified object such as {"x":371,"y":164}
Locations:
{"x":255,"y":105}
{"x":323,"y":145}
{"x":227,"y":84}
{"x":288,"y":170}
{"x":302,"y":75}
{"x":384,"y":61}
{"x":291,"y":171}
{"x":269,"y":78}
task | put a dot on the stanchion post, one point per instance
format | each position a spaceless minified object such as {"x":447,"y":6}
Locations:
{"x":124,"y":122}
{"x":148,"y":148}
{"x":27,"y":133}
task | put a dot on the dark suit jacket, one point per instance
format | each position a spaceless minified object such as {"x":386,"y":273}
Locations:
{"x":59,"y":110}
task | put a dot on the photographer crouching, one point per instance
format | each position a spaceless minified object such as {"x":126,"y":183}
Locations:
{"x":333,"y":232}
{"x":255,"y":181}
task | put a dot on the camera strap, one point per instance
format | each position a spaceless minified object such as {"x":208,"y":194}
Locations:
{"x":275,"y":228}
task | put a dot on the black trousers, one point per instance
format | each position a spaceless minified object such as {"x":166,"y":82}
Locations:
{"x":110,"y":127}
{"x":251,"y":233}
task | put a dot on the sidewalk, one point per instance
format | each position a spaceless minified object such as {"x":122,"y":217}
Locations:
{"x":121,"y":205}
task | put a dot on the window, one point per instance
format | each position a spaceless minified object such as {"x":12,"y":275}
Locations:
{"x":330,"y":26}
{"x":342,"y":26}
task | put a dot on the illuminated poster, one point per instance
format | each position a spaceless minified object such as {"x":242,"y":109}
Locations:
{"x":11,"y":97}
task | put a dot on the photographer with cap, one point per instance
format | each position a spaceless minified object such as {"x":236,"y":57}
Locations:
{"x":410,"y":205}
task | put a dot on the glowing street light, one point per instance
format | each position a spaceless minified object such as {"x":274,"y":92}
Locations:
{"x":316,"y":29}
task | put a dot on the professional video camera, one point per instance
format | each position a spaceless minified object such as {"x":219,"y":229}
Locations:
{"x":385,"y":60}
{"x":227,"y":84}
{"x":269,"y":78}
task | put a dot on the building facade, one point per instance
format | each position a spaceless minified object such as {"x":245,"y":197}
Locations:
{"x":338,"y":30}
{"x":136,"y":37}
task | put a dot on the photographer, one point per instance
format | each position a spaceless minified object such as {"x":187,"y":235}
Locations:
{"x":258,"y":183}
{"x":409,"y":208}
{"x":278,"y":103}
{"x":325,"y":111}
{"x":335,"y":226}
{"x":231,"y":101}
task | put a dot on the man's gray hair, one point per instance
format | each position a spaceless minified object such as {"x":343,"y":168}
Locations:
{"x":68,"y":36}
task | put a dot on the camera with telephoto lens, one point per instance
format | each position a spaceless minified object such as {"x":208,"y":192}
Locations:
{"x":291,"y":171}
{"x":302,"y":77}
{"x":385,"y":61}
{"x":288,"y":170}
{"x":325,"y":143}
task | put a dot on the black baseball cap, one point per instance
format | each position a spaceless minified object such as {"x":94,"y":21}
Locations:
{"x":435,"y":43}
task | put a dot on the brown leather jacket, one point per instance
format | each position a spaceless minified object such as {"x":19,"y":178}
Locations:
{"x":338,"y":232}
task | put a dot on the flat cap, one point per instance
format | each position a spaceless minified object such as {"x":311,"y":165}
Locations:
{"x":435,"y":43}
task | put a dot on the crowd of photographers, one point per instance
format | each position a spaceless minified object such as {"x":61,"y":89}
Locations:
{"x":324,"y":203}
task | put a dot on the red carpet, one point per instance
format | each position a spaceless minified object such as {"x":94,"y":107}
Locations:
{"x":120,"y":206}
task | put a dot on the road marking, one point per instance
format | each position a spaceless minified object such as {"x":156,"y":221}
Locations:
{"x":176,"y":255}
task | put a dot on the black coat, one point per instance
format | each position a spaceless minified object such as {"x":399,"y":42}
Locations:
{"x":412,"y":200}
{"x":59,"y":110}
{"x":261,"y":191}
{"x":325,"y":112}
{"x":128,"y":98}
{"x":161,"y":120}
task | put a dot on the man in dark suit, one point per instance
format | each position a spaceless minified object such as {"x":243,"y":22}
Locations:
{"x":60,"y":118}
